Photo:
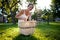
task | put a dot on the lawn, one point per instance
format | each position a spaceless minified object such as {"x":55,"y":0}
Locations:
{"x":9,"y":31}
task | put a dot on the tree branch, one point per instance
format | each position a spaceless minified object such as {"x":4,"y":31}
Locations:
{"x":14,"y":4}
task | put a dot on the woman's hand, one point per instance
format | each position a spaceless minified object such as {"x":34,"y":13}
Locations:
{"x":25,"y":19}
{"x":19,"y":14}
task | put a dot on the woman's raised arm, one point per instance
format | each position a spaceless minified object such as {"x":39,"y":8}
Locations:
{"x":18,"y":14}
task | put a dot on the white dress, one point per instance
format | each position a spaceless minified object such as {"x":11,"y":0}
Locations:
{"x":25,"y":28}
{"x":22,"y":16}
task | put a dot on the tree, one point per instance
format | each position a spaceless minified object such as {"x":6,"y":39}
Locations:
{"x":47,"y":15}
{"x":55,"y":7}
{"x":10,"y":6}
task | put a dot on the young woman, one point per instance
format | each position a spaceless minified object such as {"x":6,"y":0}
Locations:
{"x":25,"y":14}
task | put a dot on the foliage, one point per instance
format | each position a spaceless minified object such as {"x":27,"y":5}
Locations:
{"x":9,"y":20}
{"x":9,"y":5}
{"x":34,"y":16}
{"x":55,"y":7}
{"x":32,"y":1}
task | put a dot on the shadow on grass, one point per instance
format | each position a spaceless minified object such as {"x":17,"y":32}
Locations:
{"x":51,"y":31}
{"x":6,"y":26}
{"x":22,"y":37}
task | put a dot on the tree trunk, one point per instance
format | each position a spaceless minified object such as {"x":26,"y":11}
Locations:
{"x":13,"y":17}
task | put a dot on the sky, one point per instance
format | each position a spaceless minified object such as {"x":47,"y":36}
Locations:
{"x":41,"y":4}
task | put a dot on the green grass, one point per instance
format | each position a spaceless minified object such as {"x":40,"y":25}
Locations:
{"x":43,"y":31}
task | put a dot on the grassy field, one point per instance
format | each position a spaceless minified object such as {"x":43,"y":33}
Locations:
{"x":43,"y":31}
